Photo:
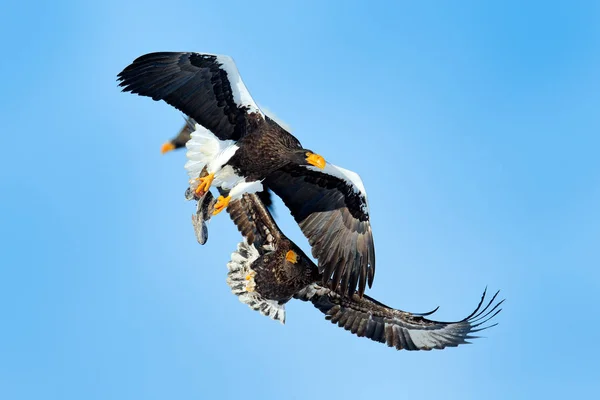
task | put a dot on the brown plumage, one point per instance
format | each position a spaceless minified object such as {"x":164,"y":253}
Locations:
{"x":181,"y":139}
{"x":261,"y":274}
{"x":328,"y":203}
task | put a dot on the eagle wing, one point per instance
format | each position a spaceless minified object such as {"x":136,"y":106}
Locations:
{"x":330,"y":206}
{"x":254,"y":222}
{"x":262,"y":236}
{"x":206,"y":87}
{"x":364,"y":316}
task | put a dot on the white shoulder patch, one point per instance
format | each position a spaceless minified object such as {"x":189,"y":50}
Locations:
{"x":245,"y":187}
{"x":241,"y":95}
{"x":351,"y":178}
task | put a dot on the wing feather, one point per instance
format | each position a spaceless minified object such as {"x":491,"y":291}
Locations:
{"x":332,"y":212}
{"x":364,"y":316}
{"x":254,"y":221}
{"x":206,"y":87}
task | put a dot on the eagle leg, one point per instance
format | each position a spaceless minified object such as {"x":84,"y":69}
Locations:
{"x":204,"y":184}
{"x":222,"y":203}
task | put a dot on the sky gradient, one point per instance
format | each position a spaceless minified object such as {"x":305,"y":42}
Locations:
{"x":474,"y":128}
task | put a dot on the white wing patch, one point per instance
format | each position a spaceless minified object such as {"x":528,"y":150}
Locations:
{"x":245,"y":187}
{"x":240,"y":280}
{"x":241,"y":95}
{"x":351,"y":178}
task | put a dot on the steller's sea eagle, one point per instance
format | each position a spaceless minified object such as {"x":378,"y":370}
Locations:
{"x":267,"y":270}
{"x":180,"y":141}
{"x":329,"y":203}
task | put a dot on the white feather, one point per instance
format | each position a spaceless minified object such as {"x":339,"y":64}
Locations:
{"x":241,"y":95}
{"x":239,"y":268}
{"x":206,"y":149}
{"x":203,"y":148}
{"x":351,"y":178}
{"x":245,"y":187}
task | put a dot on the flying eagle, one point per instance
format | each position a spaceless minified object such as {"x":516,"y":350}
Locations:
{"x":243,"y":148}
{"x":180,"y":141}
{"x":267,"y":270}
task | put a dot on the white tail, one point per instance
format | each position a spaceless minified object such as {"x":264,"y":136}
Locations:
{"x":240,"y":279}
{"x":203,"y":147}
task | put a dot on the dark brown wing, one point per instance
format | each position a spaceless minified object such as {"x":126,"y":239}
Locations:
{"x":402,"y":330}
{"x":254,"y":221}
{"x":331,"y":209}
{"x":206,"y":87}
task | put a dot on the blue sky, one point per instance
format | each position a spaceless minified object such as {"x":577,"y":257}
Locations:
{"x":474,"y":127}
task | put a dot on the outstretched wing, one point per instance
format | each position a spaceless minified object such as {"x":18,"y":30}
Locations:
{"x":206,"y":87}
{"x":330,"y":206}
{"x":402,"y":330}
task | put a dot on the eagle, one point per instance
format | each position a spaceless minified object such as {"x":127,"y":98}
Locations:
{"x":180,"y":141}
{"x":267,"y":270}
{"x":243,"y":149}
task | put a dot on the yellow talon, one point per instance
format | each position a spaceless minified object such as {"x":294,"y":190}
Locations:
{"x":315,"y":159}
{"x":221,"y":204}
{"x":204,"y":184}
{"x":291,"y":256}
{"x":250,"y":275}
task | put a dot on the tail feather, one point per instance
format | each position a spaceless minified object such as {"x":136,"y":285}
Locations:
{"x":240,"y":279}
{"x":203,"y":147}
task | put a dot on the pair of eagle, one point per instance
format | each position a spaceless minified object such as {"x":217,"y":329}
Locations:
{"x":235,"y":147}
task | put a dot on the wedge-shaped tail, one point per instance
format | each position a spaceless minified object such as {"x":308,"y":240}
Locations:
{"x":240,"y":279}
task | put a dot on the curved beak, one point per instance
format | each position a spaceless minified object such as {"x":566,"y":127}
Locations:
{"x":315,"y":159}
{"x":167,"y":147}
{"x":291,"y":256}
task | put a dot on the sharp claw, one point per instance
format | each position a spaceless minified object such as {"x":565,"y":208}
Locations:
{"x":222,"y":203}
{"x":204,"y":184}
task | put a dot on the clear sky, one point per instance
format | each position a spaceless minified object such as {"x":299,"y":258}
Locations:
{"x":474,"y":127}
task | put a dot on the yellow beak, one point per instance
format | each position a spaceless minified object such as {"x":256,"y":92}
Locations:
{"x":291,"y":256}
{"x":316,"y":160}
{"x":167,"y":147}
